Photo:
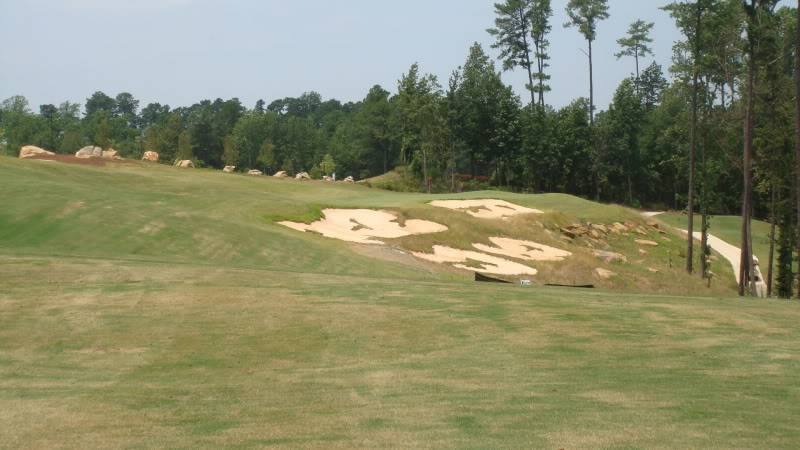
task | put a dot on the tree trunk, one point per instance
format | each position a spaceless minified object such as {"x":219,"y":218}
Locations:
{"x":591,"y":87}
{"x":797,"y":135}
{"x":746,"y":263}
{"x":692,"y":164}
{"x":771,"y":261}
{"x":528,"y":65}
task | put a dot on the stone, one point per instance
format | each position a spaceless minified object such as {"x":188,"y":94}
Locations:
{"x":110,"y":154}
{"x":327,"y":178}
{"x":229,"y":169}
{"x":647,"y":243}
{"x":185,"y":164}
{"x":256,"y":173}
{"x":610,"y":257}
{"x":349,"y":180}
{"x":281,"y":174}
{"x":302,"y":176}
{"x":150,"y":156}
{"x":29,"y":151}
{"x":617,"y":227}
{"x":604,"y":273}
{"x":89,"y":151}
{"x":651,"y":270}
{"x":642,"y":251}
{"x":600,"y":228}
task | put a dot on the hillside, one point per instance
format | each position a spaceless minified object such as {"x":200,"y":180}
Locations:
{"x":143,"y":212}
{"x":172,"y":301}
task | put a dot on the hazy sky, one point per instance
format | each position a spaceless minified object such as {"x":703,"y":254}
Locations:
{"x":181,"y":51}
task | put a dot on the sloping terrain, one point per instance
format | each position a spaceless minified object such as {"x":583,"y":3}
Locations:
{"x":143,"y":305}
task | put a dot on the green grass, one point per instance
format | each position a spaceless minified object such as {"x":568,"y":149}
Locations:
{"x":167,"y":310}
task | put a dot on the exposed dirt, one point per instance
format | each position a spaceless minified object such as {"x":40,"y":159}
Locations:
{"x":69,"y":159}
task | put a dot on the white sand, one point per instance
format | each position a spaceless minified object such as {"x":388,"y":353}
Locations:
{"x":650,"y":214}
{"x":485,"y":209}
{"x":489,"y":264}
{"x":525,"y":250}
{"x":363,"y":225}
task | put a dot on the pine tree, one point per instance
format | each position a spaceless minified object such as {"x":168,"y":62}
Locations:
{"x":584,"y":15}
{"x":636,"y":43}
{"x":512,"y":32}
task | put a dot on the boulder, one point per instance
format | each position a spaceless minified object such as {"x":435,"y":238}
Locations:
{"x":610,"y":257}
{"x":281,"y":174}
{"x":229,"y":169}
{"x":647,"y":243}
{"x":604,"y":273}
{"x":185,"y":163}
{"x":29,"y":151}
{"x":327,"y":178}
{"x":349,"y":180}
{"x":302,"y":176}
{"x":150,"y":156}
{"x":89,"y":151}
{"x":256,"y":173}
{"x":110,"y":154}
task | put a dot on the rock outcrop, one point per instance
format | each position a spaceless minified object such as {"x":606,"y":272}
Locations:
{"x":89,"y":151}
{"x":256,"y":173}
{"x":150,"y":156}
{"x":229,"y":169}
{"x":186,"y":164}
{"x":110,"y":154}
{"x":302,"y":176}
{"x":349,"y":180}
{"x":604,"y":273}
{"x":29,"y":151}
{"x":281,"y":174}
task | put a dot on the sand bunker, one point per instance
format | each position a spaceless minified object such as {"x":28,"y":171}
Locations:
{"x":487,"y":263}
{"x":485,"y":209}
{"x":363,"y":225}
{"x":525,"y":250}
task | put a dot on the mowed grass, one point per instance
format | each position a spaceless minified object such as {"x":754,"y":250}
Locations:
{"x":154,"y":307}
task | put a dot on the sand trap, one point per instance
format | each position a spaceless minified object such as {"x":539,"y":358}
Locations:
{"x":651,"y":214}
{"x":485,"y":209}
{"x":525,"y":250}
{"x":363,"y":225}
{"x":489,"y":264}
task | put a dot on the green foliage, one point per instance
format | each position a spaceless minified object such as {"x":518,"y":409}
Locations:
{"x":637,"y":43}
{"x":585,"y":14}
{"x":512,"y":34}
{"x":185,"y":147}
{"x":230,"y":154}
{"x":328,"y":165}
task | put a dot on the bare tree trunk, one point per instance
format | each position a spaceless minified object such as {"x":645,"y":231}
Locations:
{"x":524,"y":21}
{"x":746,"y":263}
{"x":692,"y":163}
{"x":591,"y":87}
{"x":797,"y":136}
{"x":771,"y":241}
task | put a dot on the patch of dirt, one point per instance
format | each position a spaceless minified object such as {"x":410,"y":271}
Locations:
{"x":69,"y":159}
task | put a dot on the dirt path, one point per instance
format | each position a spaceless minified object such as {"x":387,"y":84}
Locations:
{"x":733,"y":255}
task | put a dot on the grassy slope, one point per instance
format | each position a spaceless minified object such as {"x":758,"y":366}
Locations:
{"x":155,"y":315}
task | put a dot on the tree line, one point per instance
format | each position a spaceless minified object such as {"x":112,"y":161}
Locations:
{"x":718,"y":137}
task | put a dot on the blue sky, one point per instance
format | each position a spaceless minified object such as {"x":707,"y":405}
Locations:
{"x":181,"y":51}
